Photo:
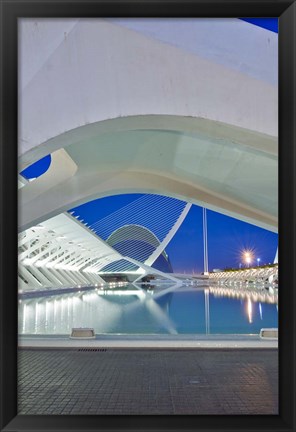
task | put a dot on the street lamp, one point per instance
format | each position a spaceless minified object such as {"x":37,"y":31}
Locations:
{"x":248,"y":258}
{"x":258,"y":261}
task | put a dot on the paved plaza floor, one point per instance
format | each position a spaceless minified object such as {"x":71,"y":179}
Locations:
{"x":147,"y":381}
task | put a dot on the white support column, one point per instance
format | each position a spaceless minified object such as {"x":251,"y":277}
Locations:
{"x":33,"y":282}
{"x":95,"y":277}
{"x":84,"y":263}
{"x":90,"y":278}
{"x":151,"y":270}
{"x":52,"y":256}
{"x":79,"y":276}
{"x":66,"y":257}
{"x":275,"y":261}
{"x":169,"y":236}
{"x":40,"y":276}
{"x":38,"y":245}
{"x":205,"y":240}
{"x":50,"y":274}
{"x":61,"y":277}
{"x":67,"y":275}
{"x":27,"y":237}
{"x":22,"y":284}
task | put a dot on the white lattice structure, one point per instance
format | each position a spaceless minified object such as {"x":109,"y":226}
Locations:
{"x":257,"y":276}
{"x":63,"y":251}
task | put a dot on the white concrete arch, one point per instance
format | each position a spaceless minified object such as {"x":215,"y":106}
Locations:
{"x":79,"y":72}
{"x":136,"y":112}
{"x":133,"y":232}
{"x":202,"y":127}
{"x":122,"y":108}
{"x":223,"y":168}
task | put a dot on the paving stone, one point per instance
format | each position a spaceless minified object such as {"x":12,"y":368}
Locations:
{"x":142,"y":381}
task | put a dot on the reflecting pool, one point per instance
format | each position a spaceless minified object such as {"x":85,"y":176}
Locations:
{"x":148,"y":309}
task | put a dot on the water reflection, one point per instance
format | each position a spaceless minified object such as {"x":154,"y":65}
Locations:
{"x":264,"y":295}
{"x":260,"y":310}
{"x":150,"y":309}
{"x":250,"y":310}
{"x":207,"y":310}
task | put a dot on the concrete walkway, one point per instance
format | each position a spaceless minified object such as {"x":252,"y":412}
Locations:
{"x":148,"y":381}
{"x":150,"y":341}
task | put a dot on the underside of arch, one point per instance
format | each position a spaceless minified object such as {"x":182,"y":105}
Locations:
{"x":224,"y":168}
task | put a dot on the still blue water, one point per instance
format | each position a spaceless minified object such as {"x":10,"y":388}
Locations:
{"x":147,"y":310}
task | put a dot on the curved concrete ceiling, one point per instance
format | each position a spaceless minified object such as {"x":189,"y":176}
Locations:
{"x":222,"y":170}
{"x":136,"y":114}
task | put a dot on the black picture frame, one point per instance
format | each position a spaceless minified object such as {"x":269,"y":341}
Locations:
{"x":10,"y":12}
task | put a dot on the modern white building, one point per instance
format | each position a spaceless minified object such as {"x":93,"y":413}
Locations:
{"x":63,"y":251}
{"x":178,"y":108}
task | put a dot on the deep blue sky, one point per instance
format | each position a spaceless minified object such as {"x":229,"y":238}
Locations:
{"x":227,"y":237}
{"x":267,"y":23}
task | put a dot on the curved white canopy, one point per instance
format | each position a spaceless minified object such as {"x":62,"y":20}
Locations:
{"x":128,"y":110}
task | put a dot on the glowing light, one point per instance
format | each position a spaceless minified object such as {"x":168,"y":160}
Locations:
{"x":250,"y":310}
{"x":248,"y":256}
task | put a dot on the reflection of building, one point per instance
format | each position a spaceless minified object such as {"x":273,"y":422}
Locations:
{"x":253,"y":294}
{"x":63,"y":251}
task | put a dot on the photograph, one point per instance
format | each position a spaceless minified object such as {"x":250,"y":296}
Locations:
{"x":148,"y":216}
{"x":147,"y":199}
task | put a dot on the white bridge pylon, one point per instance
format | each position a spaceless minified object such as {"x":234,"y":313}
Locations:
{"x":149,"y":270}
